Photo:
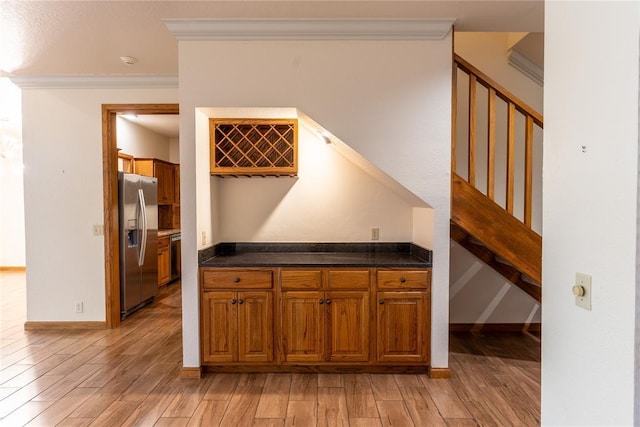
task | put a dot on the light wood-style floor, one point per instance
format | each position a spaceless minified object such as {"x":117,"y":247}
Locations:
{"x":130,"y":376}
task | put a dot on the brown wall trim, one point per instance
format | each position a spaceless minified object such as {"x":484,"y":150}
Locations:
{"x":495,"y":327}
{"x":110,"y":199}
{"x":31,"y":326}
{"x":12,"y":268}
{"x":191,"y":372}
{"x":439,"y":373}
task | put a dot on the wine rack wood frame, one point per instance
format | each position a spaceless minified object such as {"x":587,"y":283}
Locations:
{"x":262,"y":147}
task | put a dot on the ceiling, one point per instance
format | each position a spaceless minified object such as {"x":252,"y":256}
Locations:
{"x":163,"y":124}
{"x":88,"y":37}
{"x":71,"y":38}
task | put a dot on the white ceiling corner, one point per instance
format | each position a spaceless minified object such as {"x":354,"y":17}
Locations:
{"x":309,"y":29}
{"x":526,"y":66}
{"x":94,"y":82}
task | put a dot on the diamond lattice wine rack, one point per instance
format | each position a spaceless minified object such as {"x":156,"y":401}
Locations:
{"x":252,"y":147}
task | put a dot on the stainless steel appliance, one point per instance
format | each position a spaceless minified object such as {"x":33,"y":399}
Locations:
{"x":175,"y":255}
{"x":138,"y":213}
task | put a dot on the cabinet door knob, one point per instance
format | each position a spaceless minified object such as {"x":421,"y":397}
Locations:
{"x":321,"y":301}
{"x":236,"y":280}
{"x":233,"y":301}
{"x":381,"y":301}
{"x":240,"y":301}
{"x":328,"y":301}
{"x":402,"y":280}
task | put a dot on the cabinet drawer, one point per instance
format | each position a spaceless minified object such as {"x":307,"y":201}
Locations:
{"x":301,"y":279}
{"x":163,"y":242}
{"x":349,"y":279}
{"x":404,"y":279}
{"x":244,"y":279}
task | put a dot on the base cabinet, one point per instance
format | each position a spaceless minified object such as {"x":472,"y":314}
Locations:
{"x":303,"y":326}
{"x":402,"y":325}
{"x":164,"y":261}
{"x":315,"y":318}
{"x":237,"y":326}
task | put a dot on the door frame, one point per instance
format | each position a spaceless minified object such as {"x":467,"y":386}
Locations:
{"x":110,"y":199}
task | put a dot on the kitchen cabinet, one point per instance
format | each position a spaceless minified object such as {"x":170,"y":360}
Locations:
{"x":165,"y":172}
{"x":403,"y":316}
{"x":164,"y":261}
{"x":168,"y":175}
{"x":303,"y":326}
{"x":237,"y":324}
{"x":324,"y":318}
{"x":176,"y":183}
{"x":325,"y":325}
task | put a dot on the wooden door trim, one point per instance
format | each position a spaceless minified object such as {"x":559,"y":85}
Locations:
{"x":110,"y":199}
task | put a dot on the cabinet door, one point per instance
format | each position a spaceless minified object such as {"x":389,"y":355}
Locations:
{"x":164,"y":261}
{"x":403,"y":326}
{"x":303,"y":326}
{"x":176,"y":183}
{"x":348,"y":323}
{"x":255,"y":326}
{"x":164,"y":173}
{"x":219,"y":327}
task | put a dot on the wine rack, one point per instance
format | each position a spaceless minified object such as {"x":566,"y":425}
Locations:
{"x":262,"y":147}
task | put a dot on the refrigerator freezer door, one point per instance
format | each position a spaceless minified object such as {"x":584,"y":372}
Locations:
{"x":130,"y":290}
{"x":149,"y":283}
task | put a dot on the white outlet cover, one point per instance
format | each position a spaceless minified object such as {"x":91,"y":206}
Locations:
{"x":584,"y":280}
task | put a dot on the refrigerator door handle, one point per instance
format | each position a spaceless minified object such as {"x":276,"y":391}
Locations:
{"x":143,"y":217}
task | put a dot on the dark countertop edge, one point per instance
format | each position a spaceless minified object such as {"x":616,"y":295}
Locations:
{"x":423,"y":256}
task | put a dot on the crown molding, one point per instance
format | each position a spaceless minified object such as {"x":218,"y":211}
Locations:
{"x":309,"y":29}
{"x":93,"y":82}
{"x":526,"y":66}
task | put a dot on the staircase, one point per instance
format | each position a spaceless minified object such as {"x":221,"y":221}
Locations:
{"x":487,"y":227}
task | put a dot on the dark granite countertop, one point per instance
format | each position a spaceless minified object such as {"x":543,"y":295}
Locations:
{"x":404,"y":255}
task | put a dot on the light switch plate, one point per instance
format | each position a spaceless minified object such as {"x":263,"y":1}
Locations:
{"x":375,"y":233}
{"x":98,"y":230}
{"x":584,"y":280}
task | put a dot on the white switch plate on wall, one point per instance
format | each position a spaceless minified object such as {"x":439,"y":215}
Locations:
{"x":375,"y":233}
{"x":584,"y":301}
{"x":98,"y":230}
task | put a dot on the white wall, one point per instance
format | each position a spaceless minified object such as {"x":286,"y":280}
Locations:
{"x":137,"y":141}
{"x":63,"y":197}
{"x":488,"y":52}
{"x":590,"y":211}
{"x":389,"y":101}
{"x":331,"y":200}
{"x":11,"y":182}
{"x":174,"y":150}
{"x":478,"y":294}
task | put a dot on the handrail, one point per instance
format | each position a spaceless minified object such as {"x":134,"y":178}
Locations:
{"x":514,"y":106}
{"x":503,"y":93}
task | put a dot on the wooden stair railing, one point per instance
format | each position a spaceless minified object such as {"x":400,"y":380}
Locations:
{"x":478,"y":214}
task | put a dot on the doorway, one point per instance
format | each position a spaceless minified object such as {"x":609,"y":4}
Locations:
{"x":110,"y":199}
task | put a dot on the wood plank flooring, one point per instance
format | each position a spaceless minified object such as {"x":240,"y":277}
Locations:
{"x":131,"y":377}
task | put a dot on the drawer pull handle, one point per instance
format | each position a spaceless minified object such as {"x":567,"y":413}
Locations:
{"x":240,"y":301}
{"x":381,"y":301}
{"x":236,"y":280}
{"x":233,"y":301}
{"x":321,"y":301}
{"x":328,"y":301}
{"x":402,"y":280}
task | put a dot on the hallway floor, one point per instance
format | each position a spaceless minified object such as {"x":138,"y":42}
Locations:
{"x":131,"y":377}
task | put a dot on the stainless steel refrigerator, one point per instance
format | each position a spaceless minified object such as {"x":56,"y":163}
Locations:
{"x":138,"y":213}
